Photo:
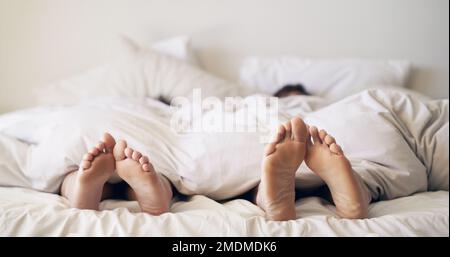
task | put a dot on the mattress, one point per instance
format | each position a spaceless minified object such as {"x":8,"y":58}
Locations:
{"x":25,"y":212}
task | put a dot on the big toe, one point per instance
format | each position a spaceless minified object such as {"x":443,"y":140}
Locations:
{"x":299,"y":129}
{"x":119,"y":150}
{"x":109,"y":141}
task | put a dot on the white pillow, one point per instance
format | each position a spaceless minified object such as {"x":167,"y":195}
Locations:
{"x":140,"y":72}
{"x":179,"y":47}
{"x":332,"y":79}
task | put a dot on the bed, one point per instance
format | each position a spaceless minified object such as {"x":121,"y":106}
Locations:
{"x":25,"y":212}
{"x":28,"y":212}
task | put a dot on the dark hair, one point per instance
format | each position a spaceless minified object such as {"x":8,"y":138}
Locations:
{"x":164,"y":100}
{"x":292,"y":88}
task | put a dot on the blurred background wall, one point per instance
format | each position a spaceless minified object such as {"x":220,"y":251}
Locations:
{"x":42,"y":41}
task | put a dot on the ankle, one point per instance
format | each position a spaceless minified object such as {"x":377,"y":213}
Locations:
{"x":282,"y":214}
{"x":358,"y":211}
{"x":155,"y":210}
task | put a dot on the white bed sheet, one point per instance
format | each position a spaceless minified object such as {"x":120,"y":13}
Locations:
{"x":25,"y":212}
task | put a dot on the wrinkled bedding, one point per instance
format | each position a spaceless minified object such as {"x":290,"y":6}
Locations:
{"x":398,"y":144}
{"x":24,"y":212}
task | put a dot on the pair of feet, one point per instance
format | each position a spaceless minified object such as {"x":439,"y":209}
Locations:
{"x":84,"y":187}
{"x":294,"y":143}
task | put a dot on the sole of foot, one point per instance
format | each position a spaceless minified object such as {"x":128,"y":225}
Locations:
{"x":326,"y":158}
{"x":84,"y":187}
{"x":276,"y":191}
{"x":152,"y":190}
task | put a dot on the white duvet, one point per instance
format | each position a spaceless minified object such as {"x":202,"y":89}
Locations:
{"x":397,"y":143}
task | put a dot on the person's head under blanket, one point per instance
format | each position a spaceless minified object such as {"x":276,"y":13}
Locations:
{"x":290,"y":90}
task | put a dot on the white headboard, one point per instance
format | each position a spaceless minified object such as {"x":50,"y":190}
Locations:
{"x":45,"y":40}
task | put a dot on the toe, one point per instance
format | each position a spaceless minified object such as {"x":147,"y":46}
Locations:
{"x":109,"y":141}
{"x":128,"y":152}
{"x":147,"y":167}
{"x":336,"y":149}
{"x":308,"y":135}
{"x":85,"y":165}
{"x":94,"y":151}
{"x":143,"y":160}
{"x":88,"y":157}
{"x":288,"y":131}
{"x":299,"y":130}
{"x":281,"y":131}
{"x":329,"y":140}
{"x":136,"y":155}
{"x":322,"y":134}
{"x":270,"y":148}
{"x":315,"y":135}
{"x":100,"y":146}
{"x":119,"y":150}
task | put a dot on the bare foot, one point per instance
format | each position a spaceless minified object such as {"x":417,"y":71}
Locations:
{"x":326,"y":158}
{"x":84,"y":187}
{"x":152,"y":190}
{"x":276,"y":191}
